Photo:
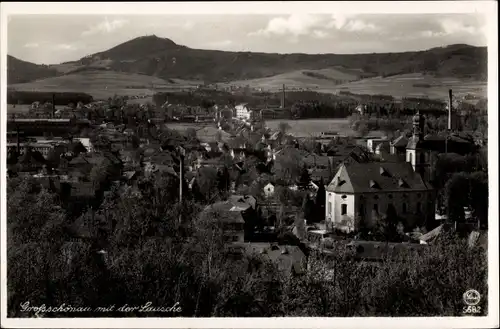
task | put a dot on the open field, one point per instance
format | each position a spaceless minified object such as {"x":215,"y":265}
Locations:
{"x":405,"y":85}
{"x":105,"y":84}
{"x":414,"y":85}
{"x":302,"y":79}
{"x":313,"y":127}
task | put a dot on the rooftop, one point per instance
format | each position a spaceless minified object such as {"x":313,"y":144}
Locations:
{"x":376,"y":177}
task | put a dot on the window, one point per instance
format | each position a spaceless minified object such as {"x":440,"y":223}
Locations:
{"x":375,"y":208}
{"x":418,"y":207}
{"x":329,"y":207}
{"x":410,"y":158}
{"x":390,"y":196}
{"x":422,"y":157}
{"x":235,"y":238}
{"x":344,"y":196}
{"x":404,"y":208}
{"x":361,"y":210}
{"x":343,"y":209}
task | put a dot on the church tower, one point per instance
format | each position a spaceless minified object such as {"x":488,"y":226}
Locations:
{"x":416,"y":153}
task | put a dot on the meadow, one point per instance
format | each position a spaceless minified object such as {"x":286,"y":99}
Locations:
{"x":104,"y":84}
{"x":313,"y":127}
{"x":404,"y":85}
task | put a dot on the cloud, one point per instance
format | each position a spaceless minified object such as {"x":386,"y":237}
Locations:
{"x":359,"y":25}
{"x":295,"y":25}
{"x":220,"y":44}
{"x":65,"y":46}
{"x":451,"y":26}
{"x":338,"y":21}
{"x":319,"y":34}
{"x":314,"y":25}
{"x":106,"y":26}
{"x":430,"y":34}
{"x":31,"y":45}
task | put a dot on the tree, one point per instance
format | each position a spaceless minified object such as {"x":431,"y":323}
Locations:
{"x":206,"y":180}
{"x":320,"y":201}
{"x":287,"y":166}
{"x":479,"y":196}
{"x":308,"y":208}
{"x":457,"y":196}
{"x":305,"y":178}
{"x":191,"y":134}
{"x":223,"y":181}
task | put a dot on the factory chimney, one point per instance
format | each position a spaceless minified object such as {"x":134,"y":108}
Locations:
{"x":283,"y":98}
{"x":53,"y":105}
{"x":450,"y":105}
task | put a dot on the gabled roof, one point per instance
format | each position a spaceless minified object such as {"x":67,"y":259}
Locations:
{"x":415,"y":142}
{"x":288,"y":258}
{"x":317,"y":159}
{"x":229,"y":212}
{"x":401,"y":141}
{"x":367,"y":177}
{"x":240,"y":199}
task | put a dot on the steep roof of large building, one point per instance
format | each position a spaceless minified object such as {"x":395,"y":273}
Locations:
{"x":400,"y":141}
{"x":415,"y":143}
{"x":376,"y":177}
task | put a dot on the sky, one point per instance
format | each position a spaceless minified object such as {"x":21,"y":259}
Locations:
{"x":53,"y":39}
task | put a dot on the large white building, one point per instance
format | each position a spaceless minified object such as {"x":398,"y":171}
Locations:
{"x":362,"y":192}
{"x":242,"y":112}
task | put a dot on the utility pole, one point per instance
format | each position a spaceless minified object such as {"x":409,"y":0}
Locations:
{"x":182,"y":153}
{"x":450,"y":104}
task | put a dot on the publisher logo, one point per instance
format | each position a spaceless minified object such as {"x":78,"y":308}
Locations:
{"x":472,"y":297}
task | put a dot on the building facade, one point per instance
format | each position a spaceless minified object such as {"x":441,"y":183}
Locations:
{"x":242,"y":112}
{"x":362,"y":193}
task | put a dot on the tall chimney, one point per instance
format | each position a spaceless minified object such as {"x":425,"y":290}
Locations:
{"x":283,"y":97}
{"x":53,"y":105}
{"x":450,"y":104}
{"x":18,"y":142}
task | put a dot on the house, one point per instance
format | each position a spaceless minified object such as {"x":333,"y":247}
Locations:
{"x":43,"y":148}
{"x":371,"y":144}
{"x":383,"y":148}
{"x":398,"y":145}
{"x":242,"y":112}
{"x":131,"y":158}
{"x":290,"y":260}
{"x":269,"y":190}
{"x":317,"y":162}
{"x":31,"y":161}
{"x":230,"y":217}
{"x":154,"y":168}
{"x":243,"y":199}
{"x":364,"y":191}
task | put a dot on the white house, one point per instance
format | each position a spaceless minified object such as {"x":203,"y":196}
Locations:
{"x":242,"y":112}
{"x":269,"y":190}
{"x":372,"y":143}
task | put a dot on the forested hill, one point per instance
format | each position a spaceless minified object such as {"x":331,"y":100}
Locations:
{"x":161,"y":57}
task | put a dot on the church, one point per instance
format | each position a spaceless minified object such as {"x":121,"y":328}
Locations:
{"x":362,"y":191}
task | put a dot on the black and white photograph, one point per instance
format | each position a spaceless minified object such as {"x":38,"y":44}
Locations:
{"x":249,"y":164}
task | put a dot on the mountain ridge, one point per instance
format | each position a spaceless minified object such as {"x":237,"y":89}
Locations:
{"x":163,"y":58}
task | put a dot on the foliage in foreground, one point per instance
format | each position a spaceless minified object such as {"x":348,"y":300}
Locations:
{"x":151,"y":257}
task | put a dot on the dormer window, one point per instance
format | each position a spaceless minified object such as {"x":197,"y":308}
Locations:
{"x":384,"y":172}
{"x":374,"y":184}
{"x":402,"y":183}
